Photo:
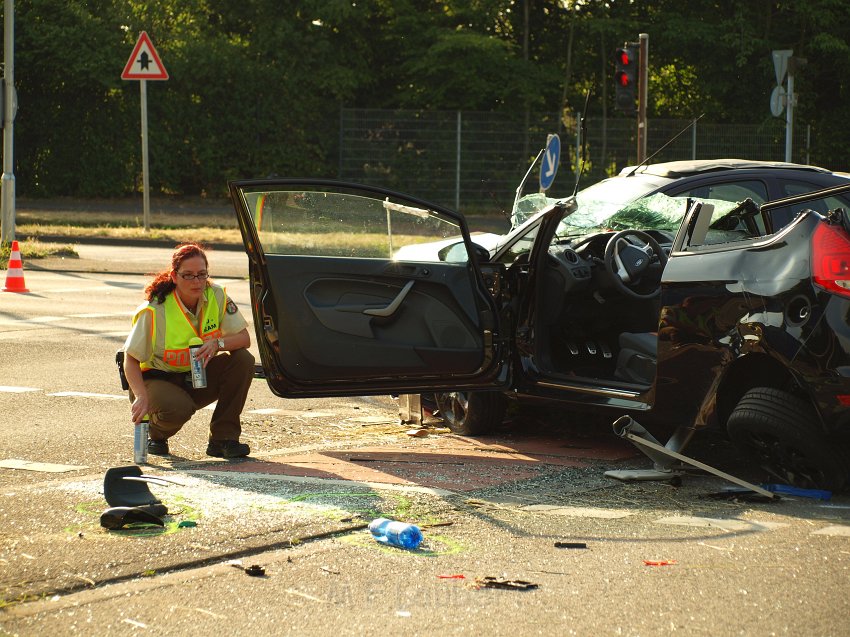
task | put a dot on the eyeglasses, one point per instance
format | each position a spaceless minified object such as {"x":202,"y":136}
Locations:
{"x":201,"y":276}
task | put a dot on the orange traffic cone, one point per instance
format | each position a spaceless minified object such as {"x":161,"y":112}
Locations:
{"x":15,"y":273}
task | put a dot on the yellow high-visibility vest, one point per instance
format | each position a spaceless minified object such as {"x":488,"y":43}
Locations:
{"x":171,"y":341}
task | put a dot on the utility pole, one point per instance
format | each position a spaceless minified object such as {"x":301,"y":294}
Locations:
{"x":643,"y":79}
{"x":7,"y":188}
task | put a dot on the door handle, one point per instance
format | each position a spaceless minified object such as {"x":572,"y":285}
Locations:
{"x":390,"y":309}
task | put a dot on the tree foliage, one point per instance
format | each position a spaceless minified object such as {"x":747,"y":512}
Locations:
{"x":256,"y":86}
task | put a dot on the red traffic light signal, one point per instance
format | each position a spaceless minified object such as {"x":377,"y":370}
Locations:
{"x":625,"y":77}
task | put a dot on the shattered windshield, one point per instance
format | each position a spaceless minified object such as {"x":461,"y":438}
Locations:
{"x":655,"y":212}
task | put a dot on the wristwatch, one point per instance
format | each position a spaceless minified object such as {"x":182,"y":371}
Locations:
{"x":220,"y":342}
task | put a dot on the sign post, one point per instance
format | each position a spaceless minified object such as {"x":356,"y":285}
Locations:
{"x":144,"y":64}
{"x":780,"y":99}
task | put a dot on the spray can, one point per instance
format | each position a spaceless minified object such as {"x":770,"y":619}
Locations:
{"x":140,"y":441}
{"x":199,"y":373}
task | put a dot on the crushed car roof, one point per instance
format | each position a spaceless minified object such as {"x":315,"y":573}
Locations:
{"x":675,"y":169}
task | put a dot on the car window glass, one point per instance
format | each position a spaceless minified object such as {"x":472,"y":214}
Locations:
{"x":734,"y":191}
{"x":522,"y":245}
{"x":730,"y":191}
{"x":722,"y":222}
{"x":783,"y":216}
{"x":350,"y":223}
{"x":528,"y":206}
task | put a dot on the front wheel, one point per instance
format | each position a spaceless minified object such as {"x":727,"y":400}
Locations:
{"x":780,"y":431}
{"x":472,"y":413}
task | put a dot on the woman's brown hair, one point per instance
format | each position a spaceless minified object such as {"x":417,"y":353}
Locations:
{"x":162,"y":285}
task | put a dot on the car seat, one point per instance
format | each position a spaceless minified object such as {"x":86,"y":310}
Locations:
{"x":637,"y":358}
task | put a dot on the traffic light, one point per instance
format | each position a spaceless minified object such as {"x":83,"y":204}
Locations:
{"x":626,"y":78}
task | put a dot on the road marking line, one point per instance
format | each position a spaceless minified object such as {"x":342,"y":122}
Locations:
{"x":101,"y":314}
{"x":836,"y":530}
{"x":14,"y":463}
{"x":270,"y":410}
{"x":17,"y":390}
{"x":93,"y":288}
{"x":89,"y":395}
{"x":39,"y":319}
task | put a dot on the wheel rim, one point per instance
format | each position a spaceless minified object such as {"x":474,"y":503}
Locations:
{"x":455,"y":408}
{"x":784,"y":461}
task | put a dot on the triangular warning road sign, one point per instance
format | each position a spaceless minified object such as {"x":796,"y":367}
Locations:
{"x":144,"y":62}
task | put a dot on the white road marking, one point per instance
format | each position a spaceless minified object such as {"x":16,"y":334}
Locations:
{"x":93,"y":288}
{"x":101,"y":315}
{"x":85,"y":394}
{"x":37,"y":320}
{"x":836,"y":530}
{"x":26,"y":465}
{"x":270,"y":410}
{"x":17,"y":390}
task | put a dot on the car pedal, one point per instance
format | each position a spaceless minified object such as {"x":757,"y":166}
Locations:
{"x":591,"y":347}
{"x":573,"y":348}
{"x":606,"y":351}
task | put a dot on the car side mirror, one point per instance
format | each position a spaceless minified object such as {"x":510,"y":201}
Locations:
{"x":456,"y":253}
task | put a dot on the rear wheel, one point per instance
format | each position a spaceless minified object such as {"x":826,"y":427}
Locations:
{"x":780,"y":431}
{"x":471,"y":413}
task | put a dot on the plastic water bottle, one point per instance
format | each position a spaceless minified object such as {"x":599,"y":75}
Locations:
{"x":400,"y":534}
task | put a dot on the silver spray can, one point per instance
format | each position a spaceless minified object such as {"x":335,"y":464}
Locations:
{"x":140,"y":441}
{"x":199,"y":373}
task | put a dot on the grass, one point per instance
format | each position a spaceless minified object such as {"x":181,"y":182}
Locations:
{"x":333,"y":243}
{"x":64,"y":224}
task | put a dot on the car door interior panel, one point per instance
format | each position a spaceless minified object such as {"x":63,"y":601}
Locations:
{"x":409,"y":325}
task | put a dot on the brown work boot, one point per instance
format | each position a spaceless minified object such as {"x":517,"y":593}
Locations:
{"x":158,"y":447}
{"x":227,"y":449}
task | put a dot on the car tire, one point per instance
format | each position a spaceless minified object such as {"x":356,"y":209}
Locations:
{"x":779,"y":431}
{"x":472,"y":413}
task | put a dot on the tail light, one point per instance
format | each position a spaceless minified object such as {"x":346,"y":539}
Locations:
{"x":831,"y":259}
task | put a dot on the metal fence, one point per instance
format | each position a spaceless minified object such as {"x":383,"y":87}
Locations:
{"x":474,"y":161}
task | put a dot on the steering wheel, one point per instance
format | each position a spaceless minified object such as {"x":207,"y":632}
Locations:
{"x":629,"y":264}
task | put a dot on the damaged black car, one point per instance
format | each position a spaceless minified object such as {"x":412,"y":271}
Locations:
{"x":684,"y":313}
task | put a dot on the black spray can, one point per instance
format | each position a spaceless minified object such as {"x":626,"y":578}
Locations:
{"x":140,"y":441}
{"x":199,"y":373}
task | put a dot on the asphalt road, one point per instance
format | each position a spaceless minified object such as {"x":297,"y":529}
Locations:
{"x":659,"y":559}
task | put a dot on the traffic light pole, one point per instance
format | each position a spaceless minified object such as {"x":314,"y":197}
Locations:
{"x":7,"y":188}
{"x":643,"y":80}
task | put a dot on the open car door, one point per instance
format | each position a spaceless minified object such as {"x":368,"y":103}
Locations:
{"x":336,"y":314}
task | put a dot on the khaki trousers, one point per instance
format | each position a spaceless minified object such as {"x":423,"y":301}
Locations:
{"x":173,"y":401}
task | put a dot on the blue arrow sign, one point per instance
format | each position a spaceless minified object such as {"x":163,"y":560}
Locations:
{"x":549,"y":165}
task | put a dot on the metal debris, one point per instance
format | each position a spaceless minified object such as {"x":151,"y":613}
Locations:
{"x":510,"y":584}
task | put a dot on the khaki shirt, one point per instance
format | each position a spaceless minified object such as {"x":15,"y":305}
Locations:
{"x":139,"y":344}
